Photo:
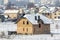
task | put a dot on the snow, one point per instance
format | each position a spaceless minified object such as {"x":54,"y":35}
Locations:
{"x":31,"y":18}
{"x":33,"y":37}
{"x":52,"y":9}
{"x":47,"y":9}
{"x":8,"y":26}
{"x":5,"y":26}
{"x":11,"y":11}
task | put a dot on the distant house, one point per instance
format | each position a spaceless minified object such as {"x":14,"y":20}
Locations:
{"x":47,"y":11}
{"x":33,"y":24}
{"x":11,"y":13}
{"x":56,"y":15}
{"x":2,"y":18}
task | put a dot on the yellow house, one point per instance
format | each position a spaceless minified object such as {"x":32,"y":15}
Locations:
{"x":56,"y":15}
{"x":11,"y":13}
{"x":24,"y":27}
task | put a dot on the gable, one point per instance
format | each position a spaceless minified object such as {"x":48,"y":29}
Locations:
{"x":24,"y":20}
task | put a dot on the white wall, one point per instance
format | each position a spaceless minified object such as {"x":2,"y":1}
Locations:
{"x":53,"y":27}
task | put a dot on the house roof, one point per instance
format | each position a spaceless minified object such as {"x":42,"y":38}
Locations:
{"x":11,"y":11}
{"x":47,"y":9}
{"x":31,"y":18}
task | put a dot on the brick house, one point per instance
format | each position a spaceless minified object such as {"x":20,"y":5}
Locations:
{"x":33,"y":24}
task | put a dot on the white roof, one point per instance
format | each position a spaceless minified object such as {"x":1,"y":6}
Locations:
{"x":31,"y":18}
{"x":52,"y":9}
{"x":11,"y":11}
{"x":47,"y":10}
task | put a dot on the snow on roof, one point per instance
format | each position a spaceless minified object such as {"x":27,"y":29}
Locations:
{"x":45,"y":10}
{"x":48,"y":10}
{"x":26,"y":11}
{"x":43,"y":7}
{"x":52,"y":9}
{"x":11,"y":11}
{"x":31,"y":18}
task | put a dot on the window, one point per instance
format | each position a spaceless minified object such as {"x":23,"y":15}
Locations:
{"x":27,"y":22}
{"x":54,"y":17}
{"x":8,"y":16}
{"x":23,"y":22}
{"x":39,"y":25}
{"x":58,"y":17}
{"x":48,"y":13}
{"x":55,"y":13}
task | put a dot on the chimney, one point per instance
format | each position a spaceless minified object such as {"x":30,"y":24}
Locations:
{"x":38,"y":19}
{"x":35,"y":17}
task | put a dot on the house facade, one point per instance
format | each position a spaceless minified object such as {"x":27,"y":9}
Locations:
{"x":56,"y":15}
{"x":33,"y":24}
{"x":24,"y":27}
{"x":11,"y":13}
{"x":55,"y":27}
{"x":49,"y":15}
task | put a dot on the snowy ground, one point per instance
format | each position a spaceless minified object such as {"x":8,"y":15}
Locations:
{"x":33,"y":37}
